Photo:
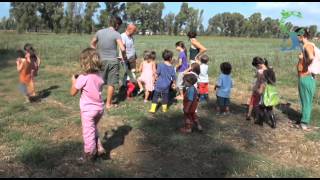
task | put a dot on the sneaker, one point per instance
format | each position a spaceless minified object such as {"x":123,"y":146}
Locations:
{"x":145,"y":101}
{"x":218,"y":114}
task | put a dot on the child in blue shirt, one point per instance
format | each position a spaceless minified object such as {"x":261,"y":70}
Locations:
{"x":223,"y":88}
{"x":166,"y":77}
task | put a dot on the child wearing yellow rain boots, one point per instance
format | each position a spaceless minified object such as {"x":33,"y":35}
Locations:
{"x":166,"y":77}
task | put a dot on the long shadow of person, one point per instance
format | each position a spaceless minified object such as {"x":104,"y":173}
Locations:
{"x":116,"y":140}
{"x":292,"y":114}
{"x":43,"y":93}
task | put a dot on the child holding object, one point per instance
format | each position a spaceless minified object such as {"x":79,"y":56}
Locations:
{"x":91,"y":104}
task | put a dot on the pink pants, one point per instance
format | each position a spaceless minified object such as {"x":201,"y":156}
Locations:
{"x":90,"y":133}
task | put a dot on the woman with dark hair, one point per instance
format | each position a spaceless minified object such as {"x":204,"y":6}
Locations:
{"x":196,"y":49}
{"x":307,"y":83}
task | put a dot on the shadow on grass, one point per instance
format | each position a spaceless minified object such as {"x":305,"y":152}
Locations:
{"x":44,"y":93}
{"x":289,"y":112}
{"x":62,"y":160}
{"x":116,"y":139}
{"x":199,"y":154}
{"x":7,"y":55}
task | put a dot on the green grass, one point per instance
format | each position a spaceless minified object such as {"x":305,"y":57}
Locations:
{"x":178,"y":155}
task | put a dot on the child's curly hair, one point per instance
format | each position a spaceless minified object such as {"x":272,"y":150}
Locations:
{"x":90,"y":61}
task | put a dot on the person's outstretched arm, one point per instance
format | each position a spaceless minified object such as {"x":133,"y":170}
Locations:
{"x":73,"y":89}
{"x":201,"y":48}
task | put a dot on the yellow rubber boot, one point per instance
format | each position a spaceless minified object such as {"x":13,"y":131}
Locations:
{"x":153,"y":108}
{"x":164,"y":108}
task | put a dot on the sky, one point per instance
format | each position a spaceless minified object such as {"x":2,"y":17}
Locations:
{"x":310,"y":10}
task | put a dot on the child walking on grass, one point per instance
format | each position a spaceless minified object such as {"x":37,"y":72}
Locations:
{"x":166,"y":77}
{"x":190,"y":104}
{"x":223,"y":87}
{"x":90,"y":83}
{"x":148,"y":73}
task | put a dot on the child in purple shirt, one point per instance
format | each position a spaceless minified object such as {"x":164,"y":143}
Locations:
{"x":91,"y":104}
{"x":181,"y":67}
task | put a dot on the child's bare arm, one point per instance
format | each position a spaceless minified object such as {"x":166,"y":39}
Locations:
{"x":140,"y":67}
{"x":179,"y":63}
{"x":154,"y":70}
{"x":38,"y":61}
{"x":73,"y":89}
{"x":19,"y":64}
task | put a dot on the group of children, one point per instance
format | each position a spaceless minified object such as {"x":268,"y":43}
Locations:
{"x":190,"y":81}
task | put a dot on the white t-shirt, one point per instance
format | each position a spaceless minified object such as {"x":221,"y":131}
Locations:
{"x":129,"y":44}
{"x":203,"y":76}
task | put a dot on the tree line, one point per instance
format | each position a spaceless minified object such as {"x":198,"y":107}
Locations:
{"x":77,"y":17}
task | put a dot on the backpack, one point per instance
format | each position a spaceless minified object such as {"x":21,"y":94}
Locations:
{"x":271,"y":96}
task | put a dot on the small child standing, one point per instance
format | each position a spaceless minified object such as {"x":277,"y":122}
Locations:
{"x":181,"y":66}
{"x":203,"y":83}
{"x":26,"y":82}
{"x":91,"y":104}
{"x":190,"y":104}
{"x":166,"y":77}
{"x":148,"y":72}
{"x":269,"y":98}
{"x":223,"y":87}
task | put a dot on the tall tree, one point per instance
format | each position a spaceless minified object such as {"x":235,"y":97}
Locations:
{"x":52,"y":14}
{"x":78,"y":17}
{"x":255,"y":22}
{"x":69,"y":17}
{"x":112,"y":8}
{"x":181,"y":18}
{"x":25,"y":13}
{"x":313,"y":30}
{"x":91,"y":8}
{"x":155,"y":10}
{"x":169,"y":23}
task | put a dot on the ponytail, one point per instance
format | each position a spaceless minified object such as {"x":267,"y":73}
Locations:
{"x":266,"y":62}
{"x":181,"y":44}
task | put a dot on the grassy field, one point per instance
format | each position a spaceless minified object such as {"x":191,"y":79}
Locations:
{"x":44,"y":139}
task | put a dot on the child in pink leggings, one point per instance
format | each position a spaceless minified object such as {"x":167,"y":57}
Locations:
{"x":90,"y":83}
